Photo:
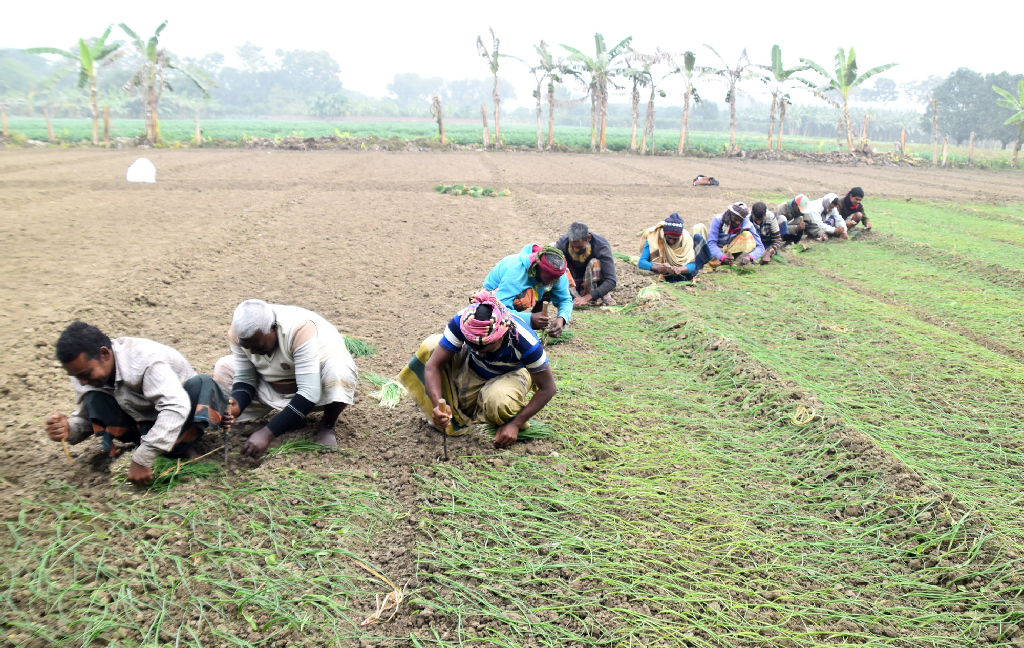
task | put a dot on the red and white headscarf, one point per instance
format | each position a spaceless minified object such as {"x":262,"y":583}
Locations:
{"x":483,"y":332}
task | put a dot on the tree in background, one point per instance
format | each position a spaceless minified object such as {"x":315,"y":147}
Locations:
{"x":150,"y":79}
{"x":412,"y":89}
{"x":883,"y":91}
{"x":598,"y":69}
{"x":640,"y":78}
{"x":733,"y":76}
{"x":843,"y":83}
{"x":778,"y":79}
{"x":492,"y":56}
{"x":550,"y":70}
{"x":690,"y":74}
{"x":88,"y":60}
{"x":1015,"y":103}
{"x":327,"y":105}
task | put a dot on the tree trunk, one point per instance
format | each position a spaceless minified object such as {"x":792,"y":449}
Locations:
{"x":551,"y":114}
{"x":682,"y":125}
{"x":156,"y":121}
{"x":487,"y":135}
{"x":649,"y":124}
{"x":95,"y":113}
{"x":970,"y":151}
{"x":497,"y":115}
{"x":771,"y":122}
{"x":839,"y":131}
{"x":782,"y":123}
{"x":604,"y":114}
{"x":945,"y":146}
{"x":864,"y":135}
{"x":435,"y":110}
{"x":593,"y":119}
{"x":636,"y":118}
{"x":1016,"y":147}
{"x":199,"y":133}
{"x":849,"y":132}
{"x":540,"y":115}
{"x":49,"y":126}
{"x":732,"y":118}
{"x":903,"y":142}
{"x":106,"y":126}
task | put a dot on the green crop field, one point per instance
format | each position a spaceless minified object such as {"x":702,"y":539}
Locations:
{"x":183,"y":130}
{"x":696,"y":500}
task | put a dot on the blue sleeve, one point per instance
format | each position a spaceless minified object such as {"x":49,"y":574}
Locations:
{"x":501,"y":280}
{"x":759,"y":250}
{"x":645,"y":257}
{"x":453,"y":339}
{"x":560,"y":297}
{"x":691,"y":268}
{"x":493,"y":278}
{"x":713,"y":233}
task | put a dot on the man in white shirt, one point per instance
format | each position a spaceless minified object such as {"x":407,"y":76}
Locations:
{"x":289,"y":359}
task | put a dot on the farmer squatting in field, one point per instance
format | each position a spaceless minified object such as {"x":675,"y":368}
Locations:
{"x":823,"y":219}
{"x":290,"y":359}
{"x":136,"y":391}
{"x":481,"y":370}
{"x":852,"y":211}
{"x":732,"y":237}
{"x":524,"y":281}
{"x":670,"y":251}
{"x":768,"y":226}
{"x":591,"y":266}
{"x":791,"y":218}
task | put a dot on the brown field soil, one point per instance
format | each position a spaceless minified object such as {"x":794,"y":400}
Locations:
{"x":359,"y":237}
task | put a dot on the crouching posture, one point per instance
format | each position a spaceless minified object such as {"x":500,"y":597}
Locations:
{"x":136,"y":391}
{"x":591,"y":266}
{"x":289,"y":359}
{"x":732,"y":237}
{"x":671,"y":252}
{"x":770,"y":230}
{"x":524,"y":281}
{"x":823,"y":219}
{"x":481,"y":369}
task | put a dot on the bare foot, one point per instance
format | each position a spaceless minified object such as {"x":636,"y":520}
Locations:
{"x":325,"y":436}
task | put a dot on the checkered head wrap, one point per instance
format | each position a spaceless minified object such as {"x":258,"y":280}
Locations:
{"x":483,"y":332}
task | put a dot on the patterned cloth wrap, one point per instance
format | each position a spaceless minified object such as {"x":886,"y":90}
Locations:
{"x":483,"y":332}
{"x":539,"y":262}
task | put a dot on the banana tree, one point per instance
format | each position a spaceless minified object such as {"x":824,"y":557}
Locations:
{"x":492,"y":56}
{"x":598,"y":69}
{"x":733,"y":75}
{"x":640,"y":78}
{"x":1015,"y":104}
{"x":550,"y":70}
{"x":89,"y":59}
{"x":690,"y":74}
{"x":778,"y":79}
{"x":843,"y":82}
{"x":150,"y":80}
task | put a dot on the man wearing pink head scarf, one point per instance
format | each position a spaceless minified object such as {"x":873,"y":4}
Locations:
{"x":481,"y":370}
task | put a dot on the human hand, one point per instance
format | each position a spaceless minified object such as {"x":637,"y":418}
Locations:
{"x":258,"y":442}
{"x":661,"y":268}
{"x":539,"y":321}
{"x":507,"y":435}
{"x":555,"y":328}
{"x":726,"y":259}
{"x":441,"y":415}
{"x":140,"y":475}
{"x":766,"y":258}
{"x":582,"y":301}
{"x":802,"y":226}
{"x":227,"y":419}
{"x":57,"y":427}
{"x":744,"y":259}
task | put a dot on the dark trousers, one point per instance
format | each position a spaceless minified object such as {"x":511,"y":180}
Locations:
{"x":110,"y":422}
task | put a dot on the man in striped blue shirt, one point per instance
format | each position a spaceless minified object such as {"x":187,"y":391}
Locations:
{"x":481,"y":369}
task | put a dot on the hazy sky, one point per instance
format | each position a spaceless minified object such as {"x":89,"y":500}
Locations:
{"x":374,"y":40}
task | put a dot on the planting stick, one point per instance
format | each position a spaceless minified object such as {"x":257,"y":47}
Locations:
{"x":227,"y":430}
{"x":67,"y":452}
{"x":443,"y":406}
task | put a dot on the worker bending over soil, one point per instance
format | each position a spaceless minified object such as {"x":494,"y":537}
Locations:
{"x":732,"y":237}
{"x":591,"y":266}
{"x":791,"y":217}
{"x":670,"y":251}
{"x":136,"y":391}
{"x":481,"y":369}
{"x":769,"y":230}
{"x":852,"y":211}
{"x":823,"y":219}
{"x":524,"y":281}
{"x":289,"y":359}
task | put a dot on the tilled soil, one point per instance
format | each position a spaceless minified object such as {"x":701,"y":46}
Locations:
{"x":359,"y":237}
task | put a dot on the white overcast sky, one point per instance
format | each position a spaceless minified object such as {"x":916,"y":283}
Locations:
{"x":372,"y":40}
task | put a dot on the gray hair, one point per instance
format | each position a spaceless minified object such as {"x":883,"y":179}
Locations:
{"x":251,"y":317}
{"x":578,"y":232}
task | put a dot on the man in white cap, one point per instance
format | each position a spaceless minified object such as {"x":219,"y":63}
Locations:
{"x":790,"y":215}
{"x":289,"y":359}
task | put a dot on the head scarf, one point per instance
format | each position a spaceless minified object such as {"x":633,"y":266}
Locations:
{"x":801,"y":203}
{"x":739,"y":210}
{"x":857,"y":192}
{"x":483,"y":332}
{"x":673,"y":225}
{"x":538,"y":261}
{"x":826,"y":202}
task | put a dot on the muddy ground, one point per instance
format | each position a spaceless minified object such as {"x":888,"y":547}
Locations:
{"x":359,"y":237}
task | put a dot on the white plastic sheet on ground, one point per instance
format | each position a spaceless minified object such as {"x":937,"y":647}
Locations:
{"x":142,"y":170}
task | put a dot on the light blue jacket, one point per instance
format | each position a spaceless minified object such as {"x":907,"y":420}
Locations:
{"x":509,"y":278}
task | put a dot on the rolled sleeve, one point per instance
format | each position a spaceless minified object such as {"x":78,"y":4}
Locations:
{"x":160,"y":386}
